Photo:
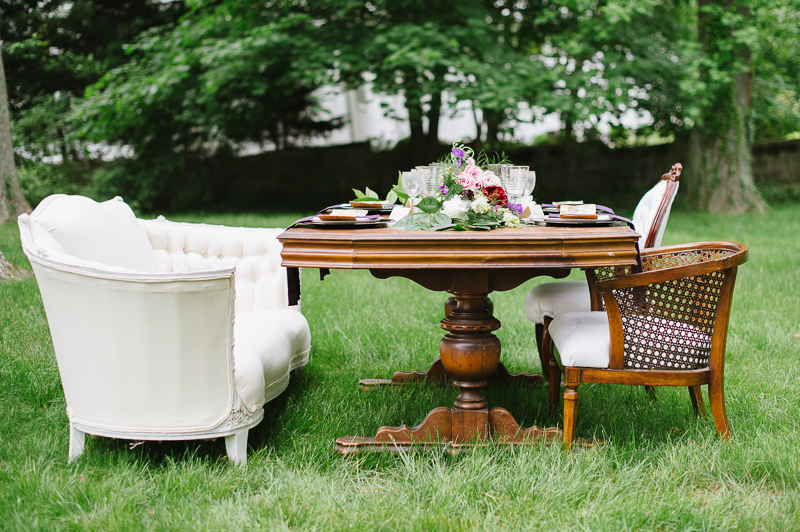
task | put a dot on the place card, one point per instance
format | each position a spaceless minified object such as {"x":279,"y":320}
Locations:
{"x":588,"y":208}
{"x":343,"y":214}
{"x":534,"y":210}
{"x":399,"y":212}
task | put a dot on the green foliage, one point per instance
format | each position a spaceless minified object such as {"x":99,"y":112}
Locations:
{"x":53,"y":50}
{"x":776,"y":81}
{"x":223,"y":76}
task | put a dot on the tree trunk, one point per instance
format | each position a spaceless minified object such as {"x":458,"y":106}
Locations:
{"x":492,"y":129}
{"x":720,"y":163}
{"x":8,"y":171}
{"x":434,"y":116}
{"x":478,"y":127}
{"x":412,"y":94}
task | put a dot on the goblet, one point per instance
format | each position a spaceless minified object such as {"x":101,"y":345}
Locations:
{"x":411,"y":185}
{"x":429,"y":182}
{"x":513,"y":179}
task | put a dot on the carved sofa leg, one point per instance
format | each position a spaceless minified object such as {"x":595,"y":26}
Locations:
{"x":236,"y":445}
{"x":77,"y":440}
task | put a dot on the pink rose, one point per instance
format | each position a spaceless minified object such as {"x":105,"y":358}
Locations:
{"x":488,"y":179}
{"x":468,"y":178}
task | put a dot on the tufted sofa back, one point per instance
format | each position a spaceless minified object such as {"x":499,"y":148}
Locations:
{"x":260,"y":281}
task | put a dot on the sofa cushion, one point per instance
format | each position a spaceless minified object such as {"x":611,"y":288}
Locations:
{"x":104,"y":233}
{"x":267,"y":345}
{"x":554,"y":299}
{"x":255,"y":252}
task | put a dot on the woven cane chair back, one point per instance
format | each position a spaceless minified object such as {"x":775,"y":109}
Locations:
{"x":669,"y":323}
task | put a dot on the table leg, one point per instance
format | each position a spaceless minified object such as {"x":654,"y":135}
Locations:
{"x":470,"y":353}
{"x":437,"y":374}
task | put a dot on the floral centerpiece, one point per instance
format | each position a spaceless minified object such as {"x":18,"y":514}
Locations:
{"x":470,"y":197}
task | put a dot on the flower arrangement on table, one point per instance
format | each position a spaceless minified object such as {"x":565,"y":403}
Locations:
{"x":470,"y":198}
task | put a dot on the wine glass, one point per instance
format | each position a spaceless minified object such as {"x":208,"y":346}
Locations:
{"x":411,"y":185}
{"x":513,"y":179}
{"x":530,"y":182}
{"x":429,"y":182}
{"x":497,"y":168}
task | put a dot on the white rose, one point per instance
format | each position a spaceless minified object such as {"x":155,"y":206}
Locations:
{"x":510,"y":219}
{"x":455,"y":207}
{"x":480,"y":204}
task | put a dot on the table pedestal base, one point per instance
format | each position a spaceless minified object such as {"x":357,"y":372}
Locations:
{"x":437,"y":374}
{"x":454,"y":427}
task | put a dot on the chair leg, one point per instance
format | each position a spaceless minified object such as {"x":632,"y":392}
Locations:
{"x":651,"y":392}
{"x":77,"y":440}
{"x":696,"y":394}
{"x":539,"y":333}
{"x":554,"y":383}
{"x":716,"y":398}
{"x":236,"y":445}
{"x":570,"y":414}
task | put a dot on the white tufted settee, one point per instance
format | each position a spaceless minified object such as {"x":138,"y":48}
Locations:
{"x":162,"y":330}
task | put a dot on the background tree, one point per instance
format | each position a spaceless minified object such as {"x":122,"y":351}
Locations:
{"x":720,"y":162}
{"x":227,"y":74}
{"x":55,"y":49}
{"x":8,"y":171}
{"x":415,"y":48}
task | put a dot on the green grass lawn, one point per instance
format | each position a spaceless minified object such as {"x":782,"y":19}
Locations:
{"x":660,"y":468}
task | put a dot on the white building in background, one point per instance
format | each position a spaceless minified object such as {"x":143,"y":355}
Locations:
{"x":383,"y":120}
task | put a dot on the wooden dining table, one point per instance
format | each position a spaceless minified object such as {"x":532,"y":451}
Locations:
{"x":469,"y":265}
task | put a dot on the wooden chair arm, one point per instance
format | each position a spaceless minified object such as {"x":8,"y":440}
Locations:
{"x":677,"y":272}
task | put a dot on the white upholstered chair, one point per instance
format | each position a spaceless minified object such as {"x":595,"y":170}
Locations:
{"x":548,"y":300}
{"x":162,"y":330}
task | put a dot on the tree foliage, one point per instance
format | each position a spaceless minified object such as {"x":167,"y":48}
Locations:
{"x":172,"y":83}
{"x":54,"y":49}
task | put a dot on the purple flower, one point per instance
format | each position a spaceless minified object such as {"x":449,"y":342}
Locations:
{"x":458,"y":163}
{"x":516,"y":208}
{"x":458,"y":152}
{"x":443,"y":189}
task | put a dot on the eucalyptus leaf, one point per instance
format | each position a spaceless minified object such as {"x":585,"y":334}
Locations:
{"x":412,"y":222}
{"x":429,"y":205}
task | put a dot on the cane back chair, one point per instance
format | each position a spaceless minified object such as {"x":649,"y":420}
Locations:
{"x":666,"y":326}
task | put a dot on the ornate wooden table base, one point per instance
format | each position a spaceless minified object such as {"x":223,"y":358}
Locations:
{"x":437,"y":375}
{"x":454,"y":427}
{"x":470,"y":354}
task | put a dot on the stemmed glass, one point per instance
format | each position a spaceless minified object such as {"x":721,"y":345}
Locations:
{"x":497,"y":168}
{"x":530,"y":182}
{"x":513,"y":179}
{"x":411,"y":185}
{"x":429,"y":184}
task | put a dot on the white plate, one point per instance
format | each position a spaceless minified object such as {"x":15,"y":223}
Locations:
{"x":347,"y":223}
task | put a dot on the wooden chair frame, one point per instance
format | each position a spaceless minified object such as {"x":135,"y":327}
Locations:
{"x":711,"y":371}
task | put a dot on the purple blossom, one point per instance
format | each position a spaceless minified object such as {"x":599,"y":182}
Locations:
{"x":458,"y":152}
{"x":443,"y":189}
{"x":458,"y":163}
{"x":516,"y":208}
